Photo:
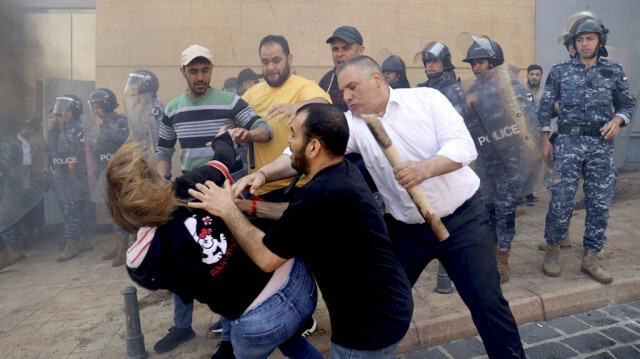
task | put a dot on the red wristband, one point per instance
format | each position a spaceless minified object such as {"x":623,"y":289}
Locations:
{"x":254,"y":208}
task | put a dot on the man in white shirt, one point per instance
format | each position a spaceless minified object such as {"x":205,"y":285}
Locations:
{"x":436,"y":147}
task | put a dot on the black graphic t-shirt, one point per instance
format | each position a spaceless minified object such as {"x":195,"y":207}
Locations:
{"x":194,"y":255}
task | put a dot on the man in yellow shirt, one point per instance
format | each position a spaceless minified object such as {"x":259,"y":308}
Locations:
{"x":275,"y":100}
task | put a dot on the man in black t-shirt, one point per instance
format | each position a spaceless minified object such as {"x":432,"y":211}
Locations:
{"x":334,"y":225}
{"x":346,"y":42}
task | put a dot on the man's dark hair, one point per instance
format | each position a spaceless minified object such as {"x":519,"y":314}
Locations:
{"x":328,"y":124}
{"x":534,"y":67}
{"x":34,"y":124}
{"x":277,"y":39}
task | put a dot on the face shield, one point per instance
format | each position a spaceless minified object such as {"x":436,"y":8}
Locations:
{"x":134,"y":83}
{"x":484,"y":43}
{"x":437,"y":51}
{"x":62,"y":104}
{"x":572,"y":20}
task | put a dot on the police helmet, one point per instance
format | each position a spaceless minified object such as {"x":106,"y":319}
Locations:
{"x":485,"y":48}
{"x":68,"y":101}
{"x":588,"y":25}
{"x":106,"y":98}
{"x":394,"y":63}
{"x":437,"y":50}
{"x":142,"y":81}
{"x":563,"y":37}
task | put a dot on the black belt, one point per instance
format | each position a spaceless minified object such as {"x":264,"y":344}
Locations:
{"x":463,"y":207}
{"x":579,"y":130}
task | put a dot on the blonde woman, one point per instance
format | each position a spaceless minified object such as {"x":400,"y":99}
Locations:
{"x":194,"y":255}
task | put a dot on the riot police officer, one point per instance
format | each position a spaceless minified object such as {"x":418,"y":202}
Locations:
{"x":564,"y":38}
{"x":436,"y":59}
{"x":145,"y":81}
{"x":10,"y":189}
{"x":505,"y":167}
{"x":114,"y":128}
{"x":70,"y":168}
{"x":395,"y":72}
{"x":114,"y":131}
{"x":595,"y":102}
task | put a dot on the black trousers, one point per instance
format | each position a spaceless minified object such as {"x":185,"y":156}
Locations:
{"x":469,"y":258}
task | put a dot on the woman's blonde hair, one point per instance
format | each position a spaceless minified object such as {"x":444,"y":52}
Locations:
{"x":137,"y":195}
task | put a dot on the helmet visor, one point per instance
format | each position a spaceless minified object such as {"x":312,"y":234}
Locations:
{"x":484,"y":42}
{"x":437,"y":50}
{"x":471,"y":43}
{"x":134,"y":84}
{"x":62,"y":104}
{"x":563,"y":36}
{"x":432,"y":51}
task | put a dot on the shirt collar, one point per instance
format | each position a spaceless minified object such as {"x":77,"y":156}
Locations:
{"x":394,"y":98}
{"x":576,"y":61}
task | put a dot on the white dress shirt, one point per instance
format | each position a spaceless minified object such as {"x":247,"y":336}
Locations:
{"x":421,"y":123}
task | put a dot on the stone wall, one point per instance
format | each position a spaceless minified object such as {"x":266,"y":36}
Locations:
{"x":135,"y":34}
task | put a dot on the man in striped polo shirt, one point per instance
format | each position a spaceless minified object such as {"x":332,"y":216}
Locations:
{"x":196,"y":116}
{"x":193,"y":119}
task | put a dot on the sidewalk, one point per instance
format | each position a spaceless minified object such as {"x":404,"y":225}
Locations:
{"x":75,"y":309}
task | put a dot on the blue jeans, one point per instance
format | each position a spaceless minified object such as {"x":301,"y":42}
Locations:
{"x":274,"y":323}
{"x":182,"y":312}
{"x":340,"y":352}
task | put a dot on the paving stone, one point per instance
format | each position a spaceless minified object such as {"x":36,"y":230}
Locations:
{"x":623,"y":312}
{"x":635,"y":304}
{"x":431,"y":353}
{"x":550,"y":350}
{"x":634,"y":326}
{"x":537,"y":332}
{"x":603,"y":355}
{"x":620,"y":335}
{"x":589,"y":342}
{"x":626,"y":352}
{"x":596,"y":318}
{"x":465,"y":348}
{"x":569,"y":324}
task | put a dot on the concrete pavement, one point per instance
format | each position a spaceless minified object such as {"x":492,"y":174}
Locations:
{"x":75,"y":309}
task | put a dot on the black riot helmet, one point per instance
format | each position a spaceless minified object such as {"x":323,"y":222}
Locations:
{"x":68,"y":101}
{"x":106,"y":98}
{"x":485,"y":48}
{"x":142,"y":81}
{"x":563,"y":36}
{"x":437,"y":50}
{"x":588,"y":25}
{"x":395,"y":63}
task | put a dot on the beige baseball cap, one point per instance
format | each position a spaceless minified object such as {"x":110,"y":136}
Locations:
{"x":194,"y":51}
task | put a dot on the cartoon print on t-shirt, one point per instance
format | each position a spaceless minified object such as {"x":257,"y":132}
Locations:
{"x":212,"y":248}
